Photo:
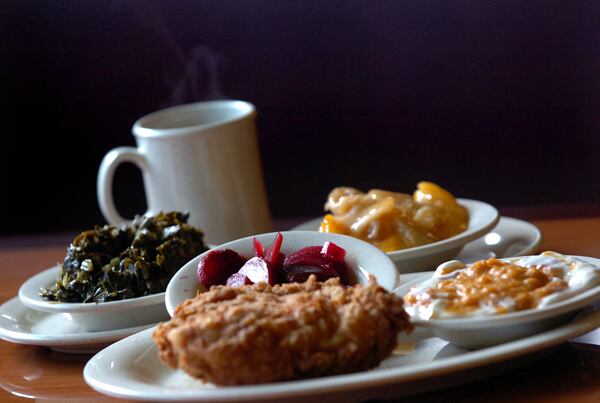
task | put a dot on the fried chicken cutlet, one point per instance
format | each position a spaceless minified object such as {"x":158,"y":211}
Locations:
{"x":260,"y":333}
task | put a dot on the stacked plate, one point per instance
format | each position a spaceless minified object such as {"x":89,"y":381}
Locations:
{"x":74,"y":327}
{"x":130,"y":368}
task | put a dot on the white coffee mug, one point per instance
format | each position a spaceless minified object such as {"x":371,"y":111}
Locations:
{"x":202,"y":158}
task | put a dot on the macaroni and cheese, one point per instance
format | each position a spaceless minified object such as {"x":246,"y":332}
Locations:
{"x":393,"y":221}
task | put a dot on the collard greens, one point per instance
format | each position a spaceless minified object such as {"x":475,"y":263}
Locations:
{"x":132,"y":260}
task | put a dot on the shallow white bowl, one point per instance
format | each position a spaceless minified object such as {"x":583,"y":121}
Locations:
{"x":482,"y":218}
{"x":94,"y":316}
{"x":362,"y":259}
{"x":478,"y":332}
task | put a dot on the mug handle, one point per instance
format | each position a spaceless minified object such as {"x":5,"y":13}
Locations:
{"x":104,"y":189}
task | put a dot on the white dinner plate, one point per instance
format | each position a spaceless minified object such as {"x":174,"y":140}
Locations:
{"x":510,"y":237}
{"x":131,"y":369}
{"x":19,"y":324}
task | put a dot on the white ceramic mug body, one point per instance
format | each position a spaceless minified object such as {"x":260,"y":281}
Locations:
{"x":202,"y":158}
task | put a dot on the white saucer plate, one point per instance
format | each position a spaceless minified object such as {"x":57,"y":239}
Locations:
{"x":19,"y":324}
{"x":131,"y":369}
{"x":509,"y":237}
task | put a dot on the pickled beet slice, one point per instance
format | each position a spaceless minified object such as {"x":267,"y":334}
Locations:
{"x":333,"y":252}
{"x":328,"y":267}
{"x":278,"y":263}
{"x":298,"y":257}
{"x":238,"y":280}
{"x":225,"y":266}
{"x":218,"y":265}
{"x":258,"y":269}
{"x":259,"y":249}
{"x":312,"y":256}
{"x":299,"y":274}
{"x":342,"y":271}
{"x":312,"y":261}
{"x":272,"y":254}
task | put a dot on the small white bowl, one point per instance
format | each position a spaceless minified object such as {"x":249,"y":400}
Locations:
{"x":478,"y":332}
{"x":482,"y":218}
{"x":94,"y":316}
{"x":362,"y":259}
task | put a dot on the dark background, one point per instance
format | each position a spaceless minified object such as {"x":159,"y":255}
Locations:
{"x":496,"y":101}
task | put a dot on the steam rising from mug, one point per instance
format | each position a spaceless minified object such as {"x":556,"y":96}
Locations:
{"x":191,"y":74}
{"x":202,"y":158}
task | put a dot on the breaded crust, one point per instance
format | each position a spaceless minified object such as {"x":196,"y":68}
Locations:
{"x":262,"y":333}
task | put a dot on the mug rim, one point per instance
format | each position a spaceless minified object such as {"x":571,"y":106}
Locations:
{"x":140,"y":130}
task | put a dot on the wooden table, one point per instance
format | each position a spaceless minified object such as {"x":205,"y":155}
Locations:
{"x":572,"y":374}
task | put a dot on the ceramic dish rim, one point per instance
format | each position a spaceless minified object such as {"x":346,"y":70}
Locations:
{"x":28,"y":295}
{"x":67,"y":339}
